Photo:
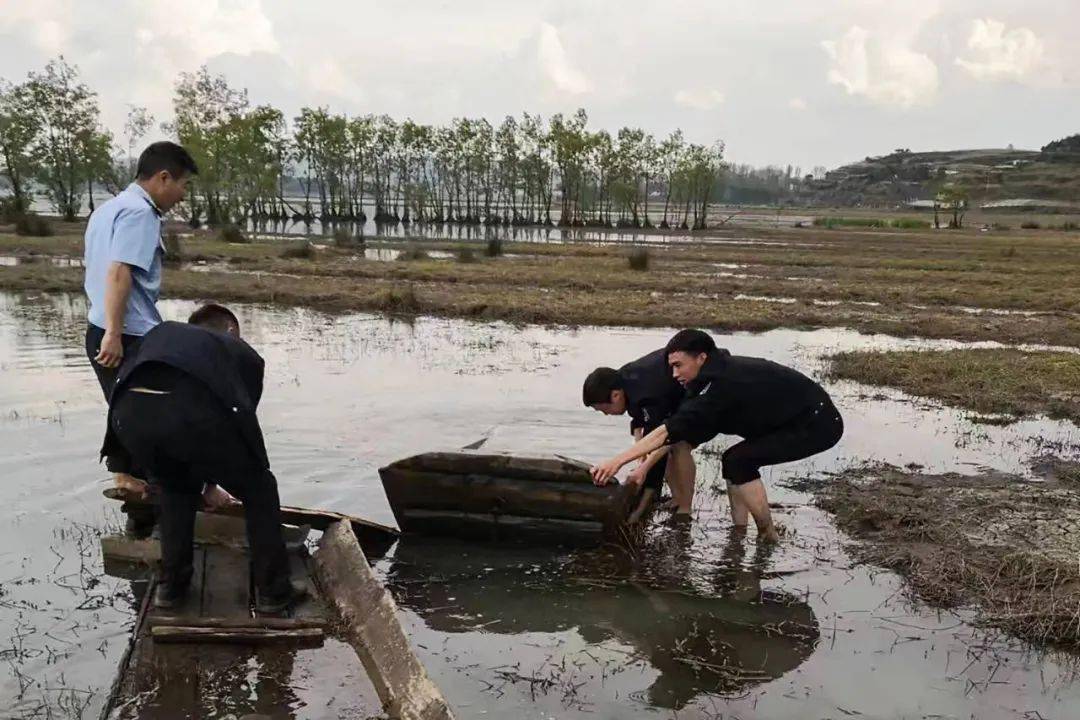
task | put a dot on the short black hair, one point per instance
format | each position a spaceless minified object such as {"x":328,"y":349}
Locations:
{"x":692,"y":342}
{"x":167,"y":156}
{"x":215,"y":317}
{"x":599,"y":384}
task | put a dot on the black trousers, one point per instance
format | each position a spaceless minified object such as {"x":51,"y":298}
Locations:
{"x":107,"y":379}
{"x":184,"y":438}
{"x":814,"y":430}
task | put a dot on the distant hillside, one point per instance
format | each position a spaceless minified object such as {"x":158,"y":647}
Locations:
{"x":1048,"y":178}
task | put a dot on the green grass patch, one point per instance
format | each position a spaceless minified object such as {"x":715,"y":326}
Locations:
{"x":858,"y":222}
{"x":991,"y":380}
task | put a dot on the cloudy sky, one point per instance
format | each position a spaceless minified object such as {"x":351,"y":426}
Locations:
{"x":808,"y":82}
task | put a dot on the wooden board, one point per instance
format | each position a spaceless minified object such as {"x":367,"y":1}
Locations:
{"x":376,"y":539}
{"x":508,"y":492}
{"x":370,"y":620}
{"x":544,"y":469}
{"x":246,"y":636}
{"x":147,"y":671}
{"x":213,"y":654}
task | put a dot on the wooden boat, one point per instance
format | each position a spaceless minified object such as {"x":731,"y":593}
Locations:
{"x":498,"y":495}
{"x":196,"y":660}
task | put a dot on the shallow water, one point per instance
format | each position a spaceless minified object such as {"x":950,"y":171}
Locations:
{"x":699,"y":623}
{"x":531,"y":234}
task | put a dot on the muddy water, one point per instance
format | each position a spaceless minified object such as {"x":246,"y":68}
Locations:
{"x":697,"y":623}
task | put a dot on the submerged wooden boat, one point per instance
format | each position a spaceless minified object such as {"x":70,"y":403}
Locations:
{"x":213,"y":655}
{"x":494,"y":495}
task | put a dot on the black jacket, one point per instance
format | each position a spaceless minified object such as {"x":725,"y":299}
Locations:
{"x":743,"y":396}
{"x":227,"y":365}
{"x":652,"y":394}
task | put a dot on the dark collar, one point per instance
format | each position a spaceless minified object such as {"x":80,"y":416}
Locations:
{"x":712,"y":369}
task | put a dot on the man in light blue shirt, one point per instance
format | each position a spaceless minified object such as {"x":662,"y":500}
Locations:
{"x":123,"y":266}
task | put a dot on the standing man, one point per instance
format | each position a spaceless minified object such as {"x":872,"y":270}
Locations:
{"x":647,"y":391}
{"x":184,"y":408}
{"x":781,"y":414}
{"x":123,"y":268}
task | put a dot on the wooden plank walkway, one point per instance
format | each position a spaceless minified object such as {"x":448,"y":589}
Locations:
{"x":213,"y":656}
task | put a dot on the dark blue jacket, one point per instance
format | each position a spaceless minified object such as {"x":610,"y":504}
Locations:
{"x":744,"y":396}
{"x":652,"y":394}
{"x":227,"y":365}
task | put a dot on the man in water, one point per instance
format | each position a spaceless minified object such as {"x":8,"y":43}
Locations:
{"x":123,"y":271}
{"x":647,"y":391}
{"x":781,"y":414}
{"x":184,"y":409}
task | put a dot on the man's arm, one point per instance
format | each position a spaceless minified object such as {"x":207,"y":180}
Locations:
{"x":117,"y":290}
{"x":637,"y":476}
{"x":136,"y":236}
{"x":603,"y":472}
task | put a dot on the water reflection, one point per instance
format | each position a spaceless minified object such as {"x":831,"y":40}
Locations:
{"x":54,"y":260}
{"x":715,"y":631}
{"x":481,"y":233}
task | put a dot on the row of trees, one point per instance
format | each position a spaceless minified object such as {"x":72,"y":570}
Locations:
{"x":256,"y":164}
{"x":51,"y":138}
{"x":332,"y":166}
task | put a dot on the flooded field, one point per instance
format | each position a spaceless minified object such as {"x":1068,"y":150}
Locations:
{"x":695,"y":623}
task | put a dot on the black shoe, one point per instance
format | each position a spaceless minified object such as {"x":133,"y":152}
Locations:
{"x":277,"y":604}
{"x":167,"y":596}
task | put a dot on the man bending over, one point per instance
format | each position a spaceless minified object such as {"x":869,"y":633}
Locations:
{"x":184,"y":408}
{"x":781,"y":414}
{"x":647,"y":391}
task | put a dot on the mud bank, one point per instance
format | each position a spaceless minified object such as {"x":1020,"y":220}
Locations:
{"x":995,"y":542}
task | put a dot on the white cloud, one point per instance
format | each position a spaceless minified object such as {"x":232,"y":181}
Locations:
{"x":1000,"y":54}
{"x":797,"y":103}
{"x":883,"y":69}
{"x":699,"y":98}
{"x":556,"y":64}
{"x":207,"y":28}
{"x":41,"y":21}
{"x":490,"y":58}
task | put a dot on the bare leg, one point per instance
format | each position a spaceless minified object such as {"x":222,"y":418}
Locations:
{"x":740,"y":514}
{"x":642,"y":506}
{"x":682,"y":477}
{"x":752,"y":495}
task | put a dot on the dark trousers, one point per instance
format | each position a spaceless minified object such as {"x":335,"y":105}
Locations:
{"x":186,"y":438}
{"x":814,"y":430}
{"x":118,"y":463}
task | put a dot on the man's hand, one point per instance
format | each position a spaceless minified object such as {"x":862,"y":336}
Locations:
{"x":216,"y":498}
{"x":134,"y":485}
{"x":605,"y":472}
{"x":111,"y":352}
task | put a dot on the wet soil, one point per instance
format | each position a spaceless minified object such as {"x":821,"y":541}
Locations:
{"x":1002,"y":544}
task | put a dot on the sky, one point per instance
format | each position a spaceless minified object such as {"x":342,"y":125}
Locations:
{"x":802,"y":82}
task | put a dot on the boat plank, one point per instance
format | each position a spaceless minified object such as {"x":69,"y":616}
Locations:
{"x":375,"y":538}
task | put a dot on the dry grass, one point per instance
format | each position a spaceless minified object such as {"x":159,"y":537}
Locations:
{"x":1004,"y":547}
{"x":1000,"y":381}
{"x":901,"y":282}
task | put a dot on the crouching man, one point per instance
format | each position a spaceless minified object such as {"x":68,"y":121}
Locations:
{"x":184,"y":409}
{"x":647,"y":391}
{"x":781,"y":414}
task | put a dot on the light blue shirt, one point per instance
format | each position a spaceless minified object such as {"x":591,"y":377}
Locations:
{"x":126,"y":229}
